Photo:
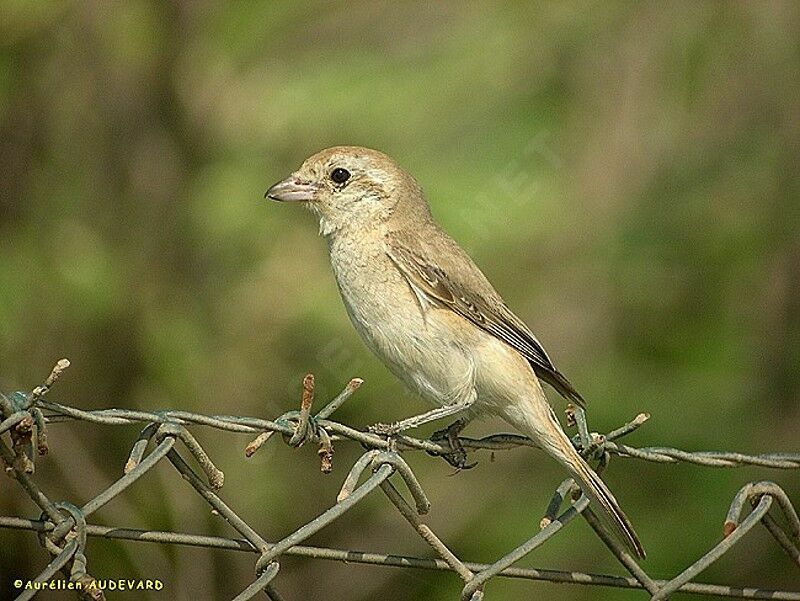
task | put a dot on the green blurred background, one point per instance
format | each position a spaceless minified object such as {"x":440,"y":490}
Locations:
{"x":625,"y":173}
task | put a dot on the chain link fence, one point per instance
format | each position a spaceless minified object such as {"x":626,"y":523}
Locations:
{"x":63,"y":528}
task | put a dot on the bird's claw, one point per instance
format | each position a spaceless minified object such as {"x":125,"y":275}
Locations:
{"x":457,"y":457}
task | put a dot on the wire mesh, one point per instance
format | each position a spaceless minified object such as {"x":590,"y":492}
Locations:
{"x":63,"y":529}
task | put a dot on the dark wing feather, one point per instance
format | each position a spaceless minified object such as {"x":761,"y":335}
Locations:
{"x":490,"y":314}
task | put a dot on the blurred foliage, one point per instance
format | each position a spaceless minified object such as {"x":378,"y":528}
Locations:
{"x":625,"y":173}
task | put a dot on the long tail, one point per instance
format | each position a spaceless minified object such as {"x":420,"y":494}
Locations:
{"x":602,"y":499}
{"x":545,"y":429}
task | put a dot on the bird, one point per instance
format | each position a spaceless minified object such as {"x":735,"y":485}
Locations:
{"x":426,"y":310}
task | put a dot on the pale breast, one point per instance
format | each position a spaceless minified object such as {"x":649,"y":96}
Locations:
{"x":396,"y":327}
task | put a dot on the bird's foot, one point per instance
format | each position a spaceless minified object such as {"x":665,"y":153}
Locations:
{"x":457,"y":457}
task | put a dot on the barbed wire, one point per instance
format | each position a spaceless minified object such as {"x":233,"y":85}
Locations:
{"x":63,"y":529}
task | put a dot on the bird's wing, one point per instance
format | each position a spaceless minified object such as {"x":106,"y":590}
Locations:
{"x":472,"y":297}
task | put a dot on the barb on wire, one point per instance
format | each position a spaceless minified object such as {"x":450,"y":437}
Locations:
{"x":62,"y":527}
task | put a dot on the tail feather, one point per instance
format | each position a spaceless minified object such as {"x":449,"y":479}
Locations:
{"x":601,"y":497}
{"x":563,"y":386}
{"x":538,"y":421}
{"x":591,"y":485}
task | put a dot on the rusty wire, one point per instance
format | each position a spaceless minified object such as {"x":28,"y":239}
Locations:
{"x":62,"y":527}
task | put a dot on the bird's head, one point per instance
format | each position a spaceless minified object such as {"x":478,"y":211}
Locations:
{"x":352,"y":187}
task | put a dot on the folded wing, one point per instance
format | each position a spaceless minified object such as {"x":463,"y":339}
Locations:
{"x":474,"y":299}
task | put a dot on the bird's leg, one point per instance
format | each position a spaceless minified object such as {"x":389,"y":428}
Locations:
{"x":457,"y":456}
{"x":423,"y":418}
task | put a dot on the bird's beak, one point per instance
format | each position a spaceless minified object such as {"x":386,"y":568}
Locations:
{"x":292,"y":189}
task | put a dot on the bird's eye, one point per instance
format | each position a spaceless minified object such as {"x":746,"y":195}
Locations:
{"x":340,"y":175}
